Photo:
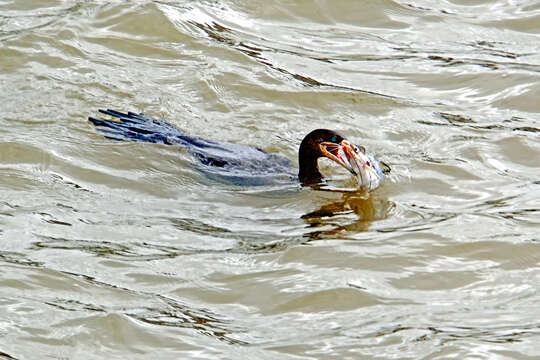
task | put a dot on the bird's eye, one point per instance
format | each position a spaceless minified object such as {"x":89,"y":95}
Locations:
{"x":356,"y":150}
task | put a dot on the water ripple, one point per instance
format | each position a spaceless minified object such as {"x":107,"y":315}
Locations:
{"x":129,"y":247}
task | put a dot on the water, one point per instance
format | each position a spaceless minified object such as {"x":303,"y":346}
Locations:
{"x":124,"y":250}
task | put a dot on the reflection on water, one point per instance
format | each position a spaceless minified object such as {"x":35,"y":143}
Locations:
{"x":120,"y":250}
{"x":364,"y":210}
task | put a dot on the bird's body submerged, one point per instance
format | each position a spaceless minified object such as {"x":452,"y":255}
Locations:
{"x":222,"y":161}
{"x":246,"y":165}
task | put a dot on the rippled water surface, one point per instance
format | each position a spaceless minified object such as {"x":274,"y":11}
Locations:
{"x":124,"y":250}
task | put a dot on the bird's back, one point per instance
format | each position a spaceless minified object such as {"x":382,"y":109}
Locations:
{"x":220,"y":161}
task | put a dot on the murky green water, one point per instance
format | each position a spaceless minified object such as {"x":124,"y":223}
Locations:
{"x":125,"y":251}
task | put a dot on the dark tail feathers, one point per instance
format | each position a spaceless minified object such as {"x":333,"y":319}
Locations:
{"x":138,"y":127}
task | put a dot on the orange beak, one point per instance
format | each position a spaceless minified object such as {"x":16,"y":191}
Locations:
{"x":341,"y":153}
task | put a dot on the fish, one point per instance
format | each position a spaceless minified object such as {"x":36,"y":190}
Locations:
{"x":369,"y":172}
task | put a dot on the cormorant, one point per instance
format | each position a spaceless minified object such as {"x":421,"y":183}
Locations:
{"x":246,"y":165}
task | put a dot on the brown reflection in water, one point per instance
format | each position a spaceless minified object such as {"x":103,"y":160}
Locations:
{"x":354,"y":212}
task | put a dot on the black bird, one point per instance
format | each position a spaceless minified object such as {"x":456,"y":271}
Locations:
{"x":246,"y":165}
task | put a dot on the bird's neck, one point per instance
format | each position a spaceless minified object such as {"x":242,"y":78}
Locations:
{"x":309,"y":169}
